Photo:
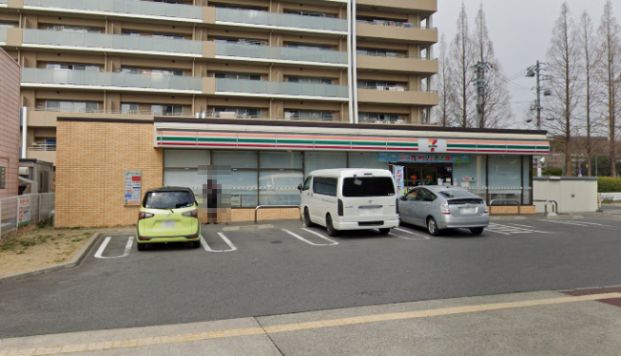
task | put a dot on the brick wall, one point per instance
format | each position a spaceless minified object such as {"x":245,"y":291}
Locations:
{"x":92,"y":158}
{"x":9,"y":122}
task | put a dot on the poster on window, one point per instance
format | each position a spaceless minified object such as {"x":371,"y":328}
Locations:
{"x":133,"y":187}
{"x":24,"y":214}
{"x":399,"y":174}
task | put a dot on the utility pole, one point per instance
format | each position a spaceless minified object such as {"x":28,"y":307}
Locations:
{"x":480,"y":69}
{"x":536,"y":72}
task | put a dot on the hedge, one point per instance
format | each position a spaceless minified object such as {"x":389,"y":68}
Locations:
{"x":608,"y":185}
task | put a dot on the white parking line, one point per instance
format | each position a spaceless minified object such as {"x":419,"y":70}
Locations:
{"x":305,"y":240}
{"x":332,"y":242}
{"x":420,"y":236}
{"x":224,"y":238}
{"x":513,"y":230}
{"x":104,"y":244}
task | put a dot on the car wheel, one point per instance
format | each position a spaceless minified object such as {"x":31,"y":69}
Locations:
{"x":306,"y":220}
{"x":142,"y":247}
{"x":330,"y":227}
{"x":432,"y":227}
{"x":384,"y":231}
{"x":476,"y":231}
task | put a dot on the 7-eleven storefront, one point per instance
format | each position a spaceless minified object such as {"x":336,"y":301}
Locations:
{"x":262,"y":165}
{"x":104,"y":165}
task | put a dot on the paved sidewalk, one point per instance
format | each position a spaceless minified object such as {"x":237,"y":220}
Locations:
{"x":540,"y":323}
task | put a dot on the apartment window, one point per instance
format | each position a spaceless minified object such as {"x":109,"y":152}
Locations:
{"x":309,"y":13}
{"x":237,"y":7}
{"x":237,"y":112}
{"x":425,"y":22}
{"x":381,"y":118}
{"x":425,"y":53}
{"x":384,"y":21}
{"x":44,"y":144}
{"x":74,"y":66}
{"x":2,"y":177}
{"x":310,"y":115}
{"x":69,"y":106}
{"x":381,"y":52}
{"x":130,"y":108}
{"x":247,"y":41}
{"x":309,"y":46}
{"x":382,"y":85}
{"x":73,"y":28}
{"x":243,"y":76}
{"x":308,"y":80}
{"x":425,"y":116}
{"x":424,"y":84}
{"x":175,"y":36}
{"x":151,"y":71}
{"x":166,"y":109}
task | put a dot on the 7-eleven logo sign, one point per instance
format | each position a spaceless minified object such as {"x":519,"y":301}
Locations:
{"x":431,"y":145}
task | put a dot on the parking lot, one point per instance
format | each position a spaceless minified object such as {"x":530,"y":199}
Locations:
{"x":270,"y":268}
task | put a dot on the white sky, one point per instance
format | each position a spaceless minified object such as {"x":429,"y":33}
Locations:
{"x":521,"y":31}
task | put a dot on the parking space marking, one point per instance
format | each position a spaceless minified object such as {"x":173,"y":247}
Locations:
{"x":321,"y":236}
{"x":516,"y":229}
{"x":305,"y":240}
{"x":226,"y":240}
{"x":580,"y":223}
{"x":409,"y":232}
{"x":104,"y":244}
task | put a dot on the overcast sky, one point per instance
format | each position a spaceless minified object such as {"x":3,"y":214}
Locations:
{"x":521,"y":31}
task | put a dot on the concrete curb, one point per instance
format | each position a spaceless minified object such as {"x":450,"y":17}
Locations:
{"x":77,"y":258}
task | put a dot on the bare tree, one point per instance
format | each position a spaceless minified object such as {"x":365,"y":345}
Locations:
{"x":494,"y":104}
{"x":590,"y":60}
{"x":463,"y":59}
{"x":610,"y":46}
{"x":562,"y":60}
{"x":443,"y":86}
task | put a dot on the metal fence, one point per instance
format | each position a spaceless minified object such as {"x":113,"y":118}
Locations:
{"x":23,"y":210}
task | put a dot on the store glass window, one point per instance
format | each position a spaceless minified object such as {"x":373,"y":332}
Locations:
{"x":526,"y":172}
{"x":279,"y":176}
{"x":366,"y":160}
{"x":469,"y":173}
{"x":324,"y":160}
{"x":238,"y":176}
{"x":505,"y":180}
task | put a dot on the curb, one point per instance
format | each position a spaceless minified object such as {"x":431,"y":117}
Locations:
{"x":77,"y":258}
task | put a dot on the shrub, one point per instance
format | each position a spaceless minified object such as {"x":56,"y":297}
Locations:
{"x":552,"y":171}
{"x":608,"y":185}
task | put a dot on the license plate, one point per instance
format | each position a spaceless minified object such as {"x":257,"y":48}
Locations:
{"x":168,"y":224}
{"x":468,"y":211}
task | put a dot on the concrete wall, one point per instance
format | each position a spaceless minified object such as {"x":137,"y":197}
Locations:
{"x":91,"y":163}
{"x":572,"y":194}
{"x":9,"y":122}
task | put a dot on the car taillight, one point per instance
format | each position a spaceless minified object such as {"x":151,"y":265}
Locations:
{"x":143,"y":215}
{"x":445,"y":209}
{"x":191,"y":213}
{"x":340,"y":207}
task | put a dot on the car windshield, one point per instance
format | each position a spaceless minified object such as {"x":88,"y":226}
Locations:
{"x":457,"y":193}
{"x":368,"y":187}
{"x":168,"y":200}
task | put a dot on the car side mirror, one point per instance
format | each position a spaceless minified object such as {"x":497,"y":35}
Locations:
{"x":300,"y":187}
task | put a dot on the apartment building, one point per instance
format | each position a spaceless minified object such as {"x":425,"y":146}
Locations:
{"x":9,"y":122}
{"x":267,"y":89}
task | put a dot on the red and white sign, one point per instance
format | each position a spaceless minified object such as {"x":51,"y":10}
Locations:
{"x":431,"y":145}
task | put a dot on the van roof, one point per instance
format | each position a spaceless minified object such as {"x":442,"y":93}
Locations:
{"x":350,"y":172}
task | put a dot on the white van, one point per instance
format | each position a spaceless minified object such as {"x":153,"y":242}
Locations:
{"x":349,"y":199}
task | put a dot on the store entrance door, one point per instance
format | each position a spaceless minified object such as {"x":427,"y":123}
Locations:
{"x":426,"y":173}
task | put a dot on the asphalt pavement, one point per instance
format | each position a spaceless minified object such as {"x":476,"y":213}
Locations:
{"x":281,"y":268}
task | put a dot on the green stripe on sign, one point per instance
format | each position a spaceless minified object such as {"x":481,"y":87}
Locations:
{"x":301,"y":142}
{"x":175,"y":138}
{"x":402,"y":144}
{"x":258,"y":140}
{"x":322,"y":142}
{"x":216,"y":139}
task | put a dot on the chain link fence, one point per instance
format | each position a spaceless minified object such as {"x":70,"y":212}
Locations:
{"x":23,"y":210}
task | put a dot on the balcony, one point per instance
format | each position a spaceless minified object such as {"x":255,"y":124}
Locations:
{"x":281,"y":54}
{"x":389,"y":32}
{"x":398,"y":64}
{"x":111,"y":43}
{"x":3,"y":3}
{"x":272,"y":20}
{"x":430,"y":6}
{"x":408,"y":97}
{"x":77,"y":79}
{"x":284,"y":90}
{"x":121,"y":8}
{"x":3,"y":35}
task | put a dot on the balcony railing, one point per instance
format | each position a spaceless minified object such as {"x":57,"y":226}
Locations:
{"x":288,"y":21}
{"x":3,"y":34}
{"x":102,"y":80}
{"x":281,"y":53}
{"x":43,"y":147}
{"x":114,"y":43}
{"x":133,"y":8}
{"x":282,"y":89}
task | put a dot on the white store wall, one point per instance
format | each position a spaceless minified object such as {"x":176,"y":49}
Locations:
{"x":573,"y":194}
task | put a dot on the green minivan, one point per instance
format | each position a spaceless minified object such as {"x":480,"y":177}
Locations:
{"x":167,"y":215}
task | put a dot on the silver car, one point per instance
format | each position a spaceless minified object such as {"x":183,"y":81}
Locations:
{"x":438,"y":208}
